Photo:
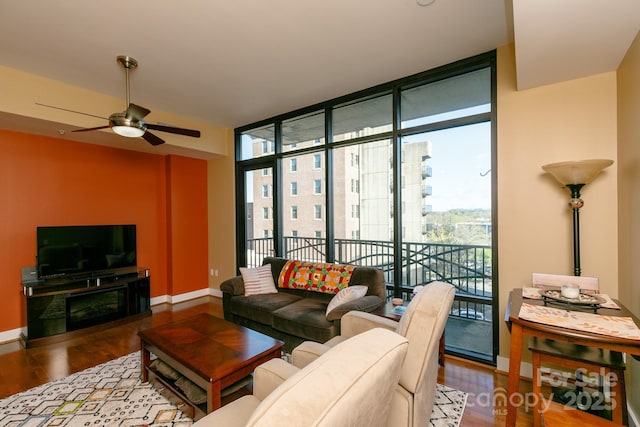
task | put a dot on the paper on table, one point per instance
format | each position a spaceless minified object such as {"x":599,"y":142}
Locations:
{"x":609,"y":303}
{"x":617,"y":326}
{"x":534,"y":293}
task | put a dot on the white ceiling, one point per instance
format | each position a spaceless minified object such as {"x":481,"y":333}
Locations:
{"x":230,"y":63}
{"x":558,"y":40}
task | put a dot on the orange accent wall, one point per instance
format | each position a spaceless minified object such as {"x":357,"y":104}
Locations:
{"x":188,"y":227}
{"x":50,"y":181}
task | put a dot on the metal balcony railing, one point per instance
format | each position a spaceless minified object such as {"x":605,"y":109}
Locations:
{"x":467,"y":267}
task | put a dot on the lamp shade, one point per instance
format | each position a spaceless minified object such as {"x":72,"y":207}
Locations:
{"x":581,"y":172}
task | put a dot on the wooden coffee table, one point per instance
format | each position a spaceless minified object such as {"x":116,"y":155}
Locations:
{"x":209,"y":351}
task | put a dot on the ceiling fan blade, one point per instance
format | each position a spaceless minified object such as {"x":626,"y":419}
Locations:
{"x":137,"y":112}
{"x":171,"y":129}
{"x":90,"y":129}
{"x":71,"y":111}
{"x":152,"y":139}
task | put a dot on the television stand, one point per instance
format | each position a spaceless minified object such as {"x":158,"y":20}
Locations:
{"x":57,"y":307}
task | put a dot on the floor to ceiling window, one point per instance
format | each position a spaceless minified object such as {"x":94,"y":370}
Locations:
{"x":399,"y":176}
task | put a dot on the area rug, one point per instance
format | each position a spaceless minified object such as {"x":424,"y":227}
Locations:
{"x":112,"y":394}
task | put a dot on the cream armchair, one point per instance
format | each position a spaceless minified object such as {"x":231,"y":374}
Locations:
{"x":349,"y":385}
{"x":422,"y":324}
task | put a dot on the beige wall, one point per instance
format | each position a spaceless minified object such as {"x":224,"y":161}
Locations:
{"x":572,"y":120}
{"x":629,"y":192}
{"x":222,"y":215}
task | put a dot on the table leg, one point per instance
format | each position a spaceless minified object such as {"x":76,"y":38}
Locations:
{"x":515,"y":357}
{"x":145,"y":361}
{"x":536,"y":385}
{"x":214,"y":401}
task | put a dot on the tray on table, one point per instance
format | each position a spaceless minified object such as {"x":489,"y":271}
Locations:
{"x":584,"y":300}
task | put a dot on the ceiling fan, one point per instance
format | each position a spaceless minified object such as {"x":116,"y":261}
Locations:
{"x":130,"y":123}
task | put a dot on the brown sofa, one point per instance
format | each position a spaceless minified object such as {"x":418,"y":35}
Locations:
{"x":297,"y":315}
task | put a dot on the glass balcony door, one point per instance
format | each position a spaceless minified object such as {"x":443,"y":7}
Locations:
{"x":447,"y":226}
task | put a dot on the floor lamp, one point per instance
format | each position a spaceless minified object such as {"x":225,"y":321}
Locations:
{"x":574,"y":176}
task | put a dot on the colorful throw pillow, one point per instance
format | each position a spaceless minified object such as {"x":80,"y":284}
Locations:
{"x":315,"y":276}
{"x":346,"y":295}
{"x":258,"y":280}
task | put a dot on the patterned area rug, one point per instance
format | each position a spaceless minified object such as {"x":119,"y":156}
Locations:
{"x":112,"y":394}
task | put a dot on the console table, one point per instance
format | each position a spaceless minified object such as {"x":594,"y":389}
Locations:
{"x":521,"y":327}
{"x":59,"y":306}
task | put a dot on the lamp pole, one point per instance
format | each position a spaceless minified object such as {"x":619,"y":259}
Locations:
{"x":574,"y":176}
{"x":576,"y":203}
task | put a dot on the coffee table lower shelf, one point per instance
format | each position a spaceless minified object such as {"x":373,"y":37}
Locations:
{"x":167,"y":389}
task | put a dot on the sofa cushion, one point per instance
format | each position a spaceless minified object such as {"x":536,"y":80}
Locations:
{"x":305,"y":318}
{"x":315,"y":276}
{"x":258,"y":280}
{"x":259,"y":308}
{"x":367,"y":304}
{"x":346,"y":295}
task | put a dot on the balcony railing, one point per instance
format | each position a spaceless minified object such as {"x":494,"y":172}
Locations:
{"x":467,"y":267}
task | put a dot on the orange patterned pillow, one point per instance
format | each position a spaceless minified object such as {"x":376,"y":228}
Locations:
{"x":315,"y":276}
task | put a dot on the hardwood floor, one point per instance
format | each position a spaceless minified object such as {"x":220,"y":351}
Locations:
{"x":21,"y":369}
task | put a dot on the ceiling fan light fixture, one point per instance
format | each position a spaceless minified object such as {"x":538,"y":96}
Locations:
{"x":124,"y":126}
{"x":128,"y":131}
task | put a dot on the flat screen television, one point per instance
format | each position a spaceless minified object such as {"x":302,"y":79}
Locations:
{"x":84,"y":249}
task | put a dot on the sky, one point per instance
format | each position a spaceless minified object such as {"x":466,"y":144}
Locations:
{"x":459,"y":159}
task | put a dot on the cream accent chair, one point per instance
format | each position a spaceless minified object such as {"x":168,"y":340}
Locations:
{"x":350,"y":385}
{"x":422,"y":324}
